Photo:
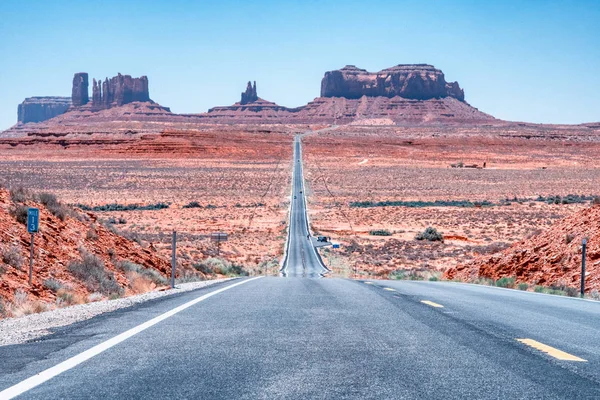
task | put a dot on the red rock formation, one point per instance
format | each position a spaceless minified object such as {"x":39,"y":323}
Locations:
{"x":551,"y":258}
{"x":119,"y":90}
{"x":79,"y":94}
{"x":410,"y":81}
{"x":37,"y":109}
{"x":249,"y":96}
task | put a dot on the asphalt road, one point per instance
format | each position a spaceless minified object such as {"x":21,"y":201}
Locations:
{"x":329,"y":339}
{"x":301,"y":260}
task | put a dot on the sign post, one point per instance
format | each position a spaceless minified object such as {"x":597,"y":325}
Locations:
{"x":33,"y":222}
{"x":583,"y":248}
{"x":173,"y":258}
{"x":219,"y":237}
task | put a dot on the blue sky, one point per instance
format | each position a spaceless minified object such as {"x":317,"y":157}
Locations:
{"x":536,"y":61}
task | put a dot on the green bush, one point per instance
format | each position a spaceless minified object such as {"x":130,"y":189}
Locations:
{"x":506,"y":282}
{"x":20,"y":195}
{"x":523,"y":286}
{"x":430,"y":234}
{"x":539,"y":289}
{"x":123,"y":207}
{"x":380,"y":232}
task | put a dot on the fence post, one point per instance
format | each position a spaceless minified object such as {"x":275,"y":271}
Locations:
{"x":583,"y":248}
{"x":173,"y":258}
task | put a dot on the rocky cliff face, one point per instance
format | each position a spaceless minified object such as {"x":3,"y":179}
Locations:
{"x":79,"y":93}
{"x":119,"y":90}
{"x":410,"y":81}
{"x":37,"y":109}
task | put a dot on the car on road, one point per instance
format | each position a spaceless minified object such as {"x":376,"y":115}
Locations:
{"x":322,"y":239}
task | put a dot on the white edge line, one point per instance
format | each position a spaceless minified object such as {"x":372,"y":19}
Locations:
{"x":72,"y":362}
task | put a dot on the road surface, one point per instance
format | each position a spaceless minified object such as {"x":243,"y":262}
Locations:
{"x":325,"y":338}
{"x":301,"y":258}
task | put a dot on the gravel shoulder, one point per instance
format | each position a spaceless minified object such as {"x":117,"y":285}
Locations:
{"x":34,"y":326}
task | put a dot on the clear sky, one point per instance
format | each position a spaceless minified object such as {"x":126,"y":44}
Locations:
{"x":536,"y":61}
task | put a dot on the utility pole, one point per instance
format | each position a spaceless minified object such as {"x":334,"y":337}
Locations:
{"x":583,"y":250}
{"x":173,"y":258}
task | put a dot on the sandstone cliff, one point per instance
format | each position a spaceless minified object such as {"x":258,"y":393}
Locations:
{"x":37,"y":109}
{"x":410,"y":81}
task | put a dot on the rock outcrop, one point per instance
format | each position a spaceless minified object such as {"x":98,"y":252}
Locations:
{"x":38,"y":109}
{"x":249,"y":96}
{"x":79,"y":93}
{"x":410,"y":81}
{"x":551,"y":258}
{"x":119,"y":90}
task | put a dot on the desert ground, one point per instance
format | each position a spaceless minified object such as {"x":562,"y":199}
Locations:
{"x":214,"y":179}
{"x":527,"y":170}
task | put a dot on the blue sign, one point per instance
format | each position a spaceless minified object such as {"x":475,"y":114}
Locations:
{"x":33,"y":220}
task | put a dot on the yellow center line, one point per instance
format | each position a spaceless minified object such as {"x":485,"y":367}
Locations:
{"x":556,"y":353}
{"x":389,"y":289}
{"x":432,"y":304}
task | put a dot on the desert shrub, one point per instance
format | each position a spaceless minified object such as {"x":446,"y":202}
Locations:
{"x":571,"y":291}
{"x":203,"y":267}
{"x":420,"y":204}
{"x":506,"y":282}
{"x":491,"y":248}
{"x":569,"y":238}
{"x":148,"y":273}
{"x":539,"y":289}
{"x":211,"y":207}
{"x":95,"y":297}
{"x":221,"y":266}
{"x":91,"y":234}
{"x":403,"y":274}
{"x":19,"y":195}
{"x":430,"y":234}
{"x":523,"y":286}
{"x":380,"y":232}
{"x":47,"y":199}
{"x":11,"y":255}
{"x":20,"y":214}
{"x":53,"y":284}
{"x":434,"y":279}
{"x":192,"y":204}
{"x":123,"y":207}
{"x":595,"y":294}
{"x":596,"y":200}
{"x":482,"y":280}
{"x":91,"y":271}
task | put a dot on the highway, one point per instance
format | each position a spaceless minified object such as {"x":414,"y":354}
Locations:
{"x":301,"y":259}
{"x":294,"y":337}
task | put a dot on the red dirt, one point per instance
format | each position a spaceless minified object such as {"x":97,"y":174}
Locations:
{"x":552,"y":258}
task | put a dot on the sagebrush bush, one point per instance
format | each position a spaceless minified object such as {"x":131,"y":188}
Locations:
{"x":523,"y":286}
{"x":53,"y":284}
{"x":19,"y":212}
{"x":19,"y":195}
{"x":92,"y":272}
{"x":11,"y":255}
{"x":430,"y":234}
{"x":149,"y":273}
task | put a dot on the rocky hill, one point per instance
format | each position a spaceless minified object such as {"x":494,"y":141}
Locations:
{"x":77,"y":258}
{"x":551,"y":258}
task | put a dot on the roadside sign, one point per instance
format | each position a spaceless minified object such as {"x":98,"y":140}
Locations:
{"x":219,"y":236}
{"x":33,"y":220}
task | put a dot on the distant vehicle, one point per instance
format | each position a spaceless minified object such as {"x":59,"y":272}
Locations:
{"x":301,"y":192}
{"x":321,"y":238}
{"x":294,"y":196}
